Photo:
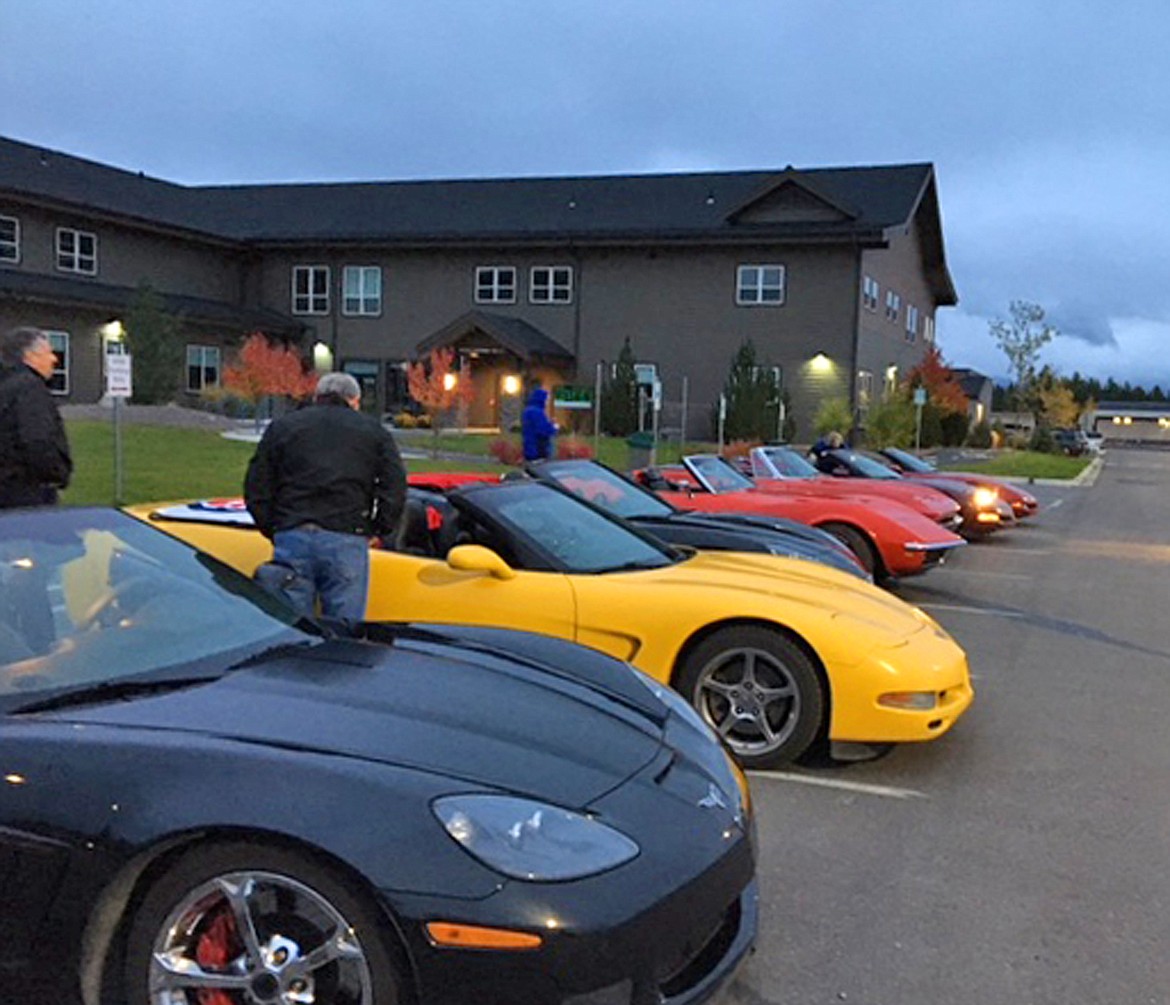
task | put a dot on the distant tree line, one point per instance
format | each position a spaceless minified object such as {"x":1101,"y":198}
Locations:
{"x":1084,"y":390}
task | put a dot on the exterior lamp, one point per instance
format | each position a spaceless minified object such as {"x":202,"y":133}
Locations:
{"x":821,"y":363}
{"x":322,"y":357}
{"x":113,"y":331}
{"x":511,"y":384}
{"x":449,"y":381}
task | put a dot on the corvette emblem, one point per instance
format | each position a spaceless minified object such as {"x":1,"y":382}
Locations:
{"x":713,"y":799}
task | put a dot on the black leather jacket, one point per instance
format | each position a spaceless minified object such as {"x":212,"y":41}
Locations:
{"x":329,"y":465}
{"x":34,"y":451}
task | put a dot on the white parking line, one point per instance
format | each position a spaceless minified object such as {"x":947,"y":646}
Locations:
{"x":862,"y":788}
{"x":995,"y":612}
{"x":1055,"y":504}
{"x":967,"y":573}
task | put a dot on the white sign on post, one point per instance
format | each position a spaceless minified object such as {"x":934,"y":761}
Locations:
{"x":118,"y":384}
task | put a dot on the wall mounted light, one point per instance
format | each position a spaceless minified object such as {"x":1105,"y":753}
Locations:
{"x":449,"y":381}
{"x":322,"y":357}
{"x":510,"y":384}
{"x":821,"y":363}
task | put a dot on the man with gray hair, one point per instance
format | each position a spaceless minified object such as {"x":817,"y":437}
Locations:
{"x":323,"y":481}
{"x":34,"y":452}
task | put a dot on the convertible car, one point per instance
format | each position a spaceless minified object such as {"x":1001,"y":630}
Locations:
{"x":207,"y":801}
{"x":890,"y":539}
{"x":625,"y":498}
{"x":1023,"y":503}
{"x":776,"y":654}
{"x":782,"y":469}
{"x":982,"y":509}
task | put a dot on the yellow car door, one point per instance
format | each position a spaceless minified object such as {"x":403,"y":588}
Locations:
{"x":472,"y":586}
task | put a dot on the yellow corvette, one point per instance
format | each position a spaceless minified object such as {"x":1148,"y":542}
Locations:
{"x":775,"y":653}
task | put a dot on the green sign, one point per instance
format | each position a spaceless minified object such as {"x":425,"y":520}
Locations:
{"x":569,"y":396}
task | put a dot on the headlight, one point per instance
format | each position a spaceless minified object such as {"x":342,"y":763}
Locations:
{"x":530,"y":840}
{"x":986,"y":498}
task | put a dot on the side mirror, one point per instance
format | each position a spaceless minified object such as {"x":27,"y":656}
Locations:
{"x":477,"y":558}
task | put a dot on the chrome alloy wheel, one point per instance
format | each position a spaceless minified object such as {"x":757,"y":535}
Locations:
{"x":748,"y":696}
{"x":257,"y":938}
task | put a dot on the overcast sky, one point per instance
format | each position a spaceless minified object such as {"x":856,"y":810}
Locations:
{"x":1048,"y":121}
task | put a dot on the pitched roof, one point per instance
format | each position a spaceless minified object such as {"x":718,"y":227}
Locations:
{"x":861,"y":204}
{"x":514,"y":334}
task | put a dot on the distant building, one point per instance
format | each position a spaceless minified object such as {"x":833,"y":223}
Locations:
{"x":979,"y":390}
{"x":834,"y":274}
{"x":1133,"y":421}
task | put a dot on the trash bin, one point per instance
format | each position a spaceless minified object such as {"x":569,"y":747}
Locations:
{"x":641,"y":446}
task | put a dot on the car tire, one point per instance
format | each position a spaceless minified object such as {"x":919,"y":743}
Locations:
{"x":856,"y":541}
{"x":758,"y":690}
{"x":308,"y":925}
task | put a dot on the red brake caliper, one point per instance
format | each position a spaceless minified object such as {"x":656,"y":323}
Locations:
{"x":218,"y":945}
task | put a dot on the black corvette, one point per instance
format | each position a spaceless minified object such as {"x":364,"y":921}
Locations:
{"x":709,"y":531}
{"x":205,"y":801}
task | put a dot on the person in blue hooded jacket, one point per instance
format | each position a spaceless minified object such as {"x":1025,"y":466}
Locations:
{"x":536,"y":428}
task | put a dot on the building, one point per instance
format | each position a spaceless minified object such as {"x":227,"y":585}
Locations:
{"x":979,"y":390}
{"x":834,"y":274}
{"x":1131,"y":421}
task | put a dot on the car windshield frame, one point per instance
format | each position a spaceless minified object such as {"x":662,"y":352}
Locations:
{"x":909,"y":461}
{"x":716,"y":474}
{"x":865,"y":467}
{"x":647,"y":505}
{"x":93,"y":597}
{"x":554,"y":530}
{"x":786,"y":463}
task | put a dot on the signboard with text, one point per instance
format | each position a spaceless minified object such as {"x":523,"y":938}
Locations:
{"x":571,"y":396}
{"x":118,"y":382}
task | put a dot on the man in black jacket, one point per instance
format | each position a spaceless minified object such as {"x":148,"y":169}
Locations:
{"x":323,"y":481}
{"x":34,"y":451}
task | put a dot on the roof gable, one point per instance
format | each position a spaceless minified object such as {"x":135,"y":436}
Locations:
{"x":791,"y":198}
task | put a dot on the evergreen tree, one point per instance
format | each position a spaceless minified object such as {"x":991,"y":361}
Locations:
{"x":619,"y":396}
{"x":155,"y":343}
{"x":753,"y":396}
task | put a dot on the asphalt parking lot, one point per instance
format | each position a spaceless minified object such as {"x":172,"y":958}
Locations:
{"x":1022,"y":858}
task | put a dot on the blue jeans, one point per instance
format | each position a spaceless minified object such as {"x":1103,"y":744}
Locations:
{"x":329,"y":566}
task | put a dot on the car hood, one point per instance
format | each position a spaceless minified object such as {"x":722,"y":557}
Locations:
{"x":457,"y":707}
{"x":799,"y":584}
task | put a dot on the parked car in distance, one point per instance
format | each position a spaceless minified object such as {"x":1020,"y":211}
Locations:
{"x":1022,"y":502}
{"x":776,"y":654}
{"x":1071,"y":441}
{"x":207,"y":799}
{"x":980,"y":505}
{"x":1095,"y":441}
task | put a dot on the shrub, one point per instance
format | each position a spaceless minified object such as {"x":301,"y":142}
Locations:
{"x":573,"y":449}
{"x":404,"y":420}
{"x":506,"y":451}
{"x":1042,"y":441}
{"x":980,"y":436}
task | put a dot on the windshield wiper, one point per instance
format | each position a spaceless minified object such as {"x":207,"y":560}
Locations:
{"x":117,"y":690}
{"x":275,"y":652}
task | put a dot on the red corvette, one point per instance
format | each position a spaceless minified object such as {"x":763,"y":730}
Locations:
{"x":889,"y":538}
{"x":1022,"y":503}
{"x":782,"y":469}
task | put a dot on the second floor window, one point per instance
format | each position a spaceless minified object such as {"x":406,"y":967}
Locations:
{"x":59,"y":379}
{"x":202,"y":367}
{"x":927,"y":329}
{"x":893,"y":305}
{"x":869,"y":293}
{"x":551,"y":284}
{"x":362,"y":290}
{"x":495,"y":284}
{"x":9,"y":239}
{"x":911,"y":322}
{"x":760,"y":284}
{"x":310,"y":292}
{"x":76,"y":251}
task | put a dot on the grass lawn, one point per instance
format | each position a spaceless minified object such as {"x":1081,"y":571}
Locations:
{"x":1029,"y":464}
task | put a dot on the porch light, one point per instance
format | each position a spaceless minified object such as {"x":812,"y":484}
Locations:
{"x":449,"y":381}
{"x":322,"y":357}
{"x":511,"y":384}
{"x":113,"y":331}
{"x":821,"y":363}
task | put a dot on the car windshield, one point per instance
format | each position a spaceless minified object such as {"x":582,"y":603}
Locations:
{"x":93,"y":596}
{"x":715,"y":474}
{"x":577,"y":537}
{"x":604,"y":488}
{"x":785,"y":463}
{"x":909,"y":461}
{"x":863,"y":465}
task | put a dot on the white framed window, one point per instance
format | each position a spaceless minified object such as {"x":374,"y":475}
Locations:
{"x":310,"y":289}
{"x":550,"y":284}
{"x":76,"y":251}
{"x":928,"y":329}
{"x":870,"y":293}
{"x":59,"y":378}
{"x":911,"y":323}
{"x":760,"y":284}
{"x":864,"y":389}
{"x":495,"y":284}
{"x":361,"y":290}
{"x":203,"y":367}
{"x":9,"y":239}
{"x":893,"y":305}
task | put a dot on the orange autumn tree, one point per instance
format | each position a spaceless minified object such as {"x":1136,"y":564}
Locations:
{"x":264,"y":370}
{"x":942,"y":386}
{"x":438,"y":388}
